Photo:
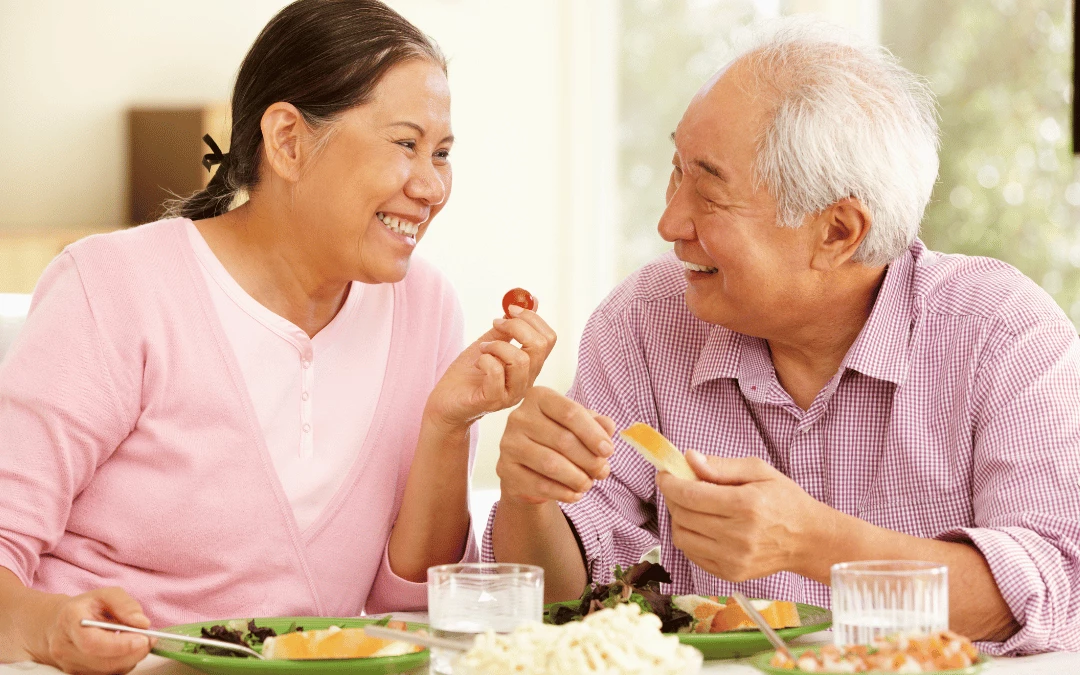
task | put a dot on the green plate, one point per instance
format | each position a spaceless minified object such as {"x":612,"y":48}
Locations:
{"x":740,"y":643}
{"x":761,"y":662}
{"x":240,"y":665}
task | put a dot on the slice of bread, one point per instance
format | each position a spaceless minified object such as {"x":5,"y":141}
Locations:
{"x":657,"y":450}
{"x":777,"y":613}
{"x":333,"y":643}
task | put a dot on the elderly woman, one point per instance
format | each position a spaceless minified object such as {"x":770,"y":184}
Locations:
{"x":851,"y":394}
{"x":264,"y":410}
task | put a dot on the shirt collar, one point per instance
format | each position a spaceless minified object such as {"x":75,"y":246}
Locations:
{"x":880,"y":351}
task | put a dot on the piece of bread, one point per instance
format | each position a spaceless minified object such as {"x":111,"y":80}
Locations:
{"x":702,"y":608}
{"x":777,"y":613}
{"x":658,"y":450}
{"x":333,"y":643}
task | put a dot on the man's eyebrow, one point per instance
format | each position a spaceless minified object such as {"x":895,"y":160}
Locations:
{"x":711,"y":169}
{"x":420,"y":130}
{"x":707,"y":167}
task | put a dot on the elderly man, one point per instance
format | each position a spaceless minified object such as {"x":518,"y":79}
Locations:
{"x":847,"y":393}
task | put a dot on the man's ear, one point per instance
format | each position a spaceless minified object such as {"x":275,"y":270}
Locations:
{"x":283,"y":130}
{"x":841,"y":229}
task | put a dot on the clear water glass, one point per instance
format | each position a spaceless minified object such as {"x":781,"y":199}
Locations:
{"x":877,"y":598}
{"x":470,"y":598}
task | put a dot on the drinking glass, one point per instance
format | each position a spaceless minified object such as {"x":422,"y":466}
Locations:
{"x":470,"y":598}
{"x":878,"y":598}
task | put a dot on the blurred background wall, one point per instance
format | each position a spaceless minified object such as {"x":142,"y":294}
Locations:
{"x":562,"y":110}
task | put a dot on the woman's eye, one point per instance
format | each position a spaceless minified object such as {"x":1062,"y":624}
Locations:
{"x":442,"y":154}
{"x":411,"y":145}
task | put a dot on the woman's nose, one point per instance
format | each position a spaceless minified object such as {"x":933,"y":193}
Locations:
{"x":426,"y":185}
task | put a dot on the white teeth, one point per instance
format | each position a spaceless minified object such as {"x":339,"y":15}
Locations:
{"x":697,"y":268}
{"x":398,"y":225}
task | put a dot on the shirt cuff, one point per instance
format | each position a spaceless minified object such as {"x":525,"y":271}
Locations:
{"x":586,"y":530}
{"x":1021,"y":584}
{"x":391,"y":593}
{"x":595,"y":539}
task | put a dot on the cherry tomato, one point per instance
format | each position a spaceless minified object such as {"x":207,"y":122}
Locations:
{"x":521,"y":298}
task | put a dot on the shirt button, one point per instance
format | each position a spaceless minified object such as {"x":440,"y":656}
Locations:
{"x":305,"y":396}
{"x":307,"y":428}
{"x":305,"y":363}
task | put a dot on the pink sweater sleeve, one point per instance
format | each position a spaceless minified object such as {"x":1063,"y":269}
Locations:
{"x":61,"y":416}
{"x":389,"y":592}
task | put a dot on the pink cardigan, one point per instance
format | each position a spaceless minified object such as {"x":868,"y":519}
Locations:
{"x":130,"y":454}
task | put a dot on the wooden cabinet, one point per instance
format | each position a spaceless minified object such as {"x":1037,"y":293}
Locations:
{"x":165,"y":150}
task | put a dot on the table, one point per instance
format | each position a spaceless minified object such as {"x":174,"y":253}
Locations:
{"x":1060,"y":663}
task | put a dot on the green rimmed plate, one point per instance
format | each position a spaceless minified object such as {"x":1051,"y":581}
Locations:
{"x":741,"y":643}
{"x":239,"y":665}
{"x":761,"y":662}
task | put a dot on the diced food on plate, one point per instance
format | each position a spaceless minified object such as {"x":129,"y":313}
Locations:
{"x":521,"y":298}
{"x":333,"y":643}
{"x":657,"y":450}
{"x":936,"y":652}
{"x":620,"y":640}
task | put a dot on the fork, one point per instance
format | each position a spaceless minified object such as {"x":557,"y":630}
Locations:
{"x":206,"y":642}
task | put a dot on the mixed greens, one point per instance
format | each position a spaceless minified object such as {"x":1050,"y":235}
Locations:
{"x":238,"y":633}
{"x":639,"y":584}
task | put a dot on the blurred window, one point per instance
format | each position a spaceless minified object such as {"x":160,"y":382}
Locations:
{"x":1008,"y":186}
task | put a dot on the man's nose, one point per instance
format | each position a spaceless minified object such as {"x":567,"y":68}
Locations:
{"x":676,"y":222}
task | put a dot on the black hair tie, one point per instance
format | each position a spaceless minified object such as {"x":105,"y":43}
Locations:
{"x":215,"y":157}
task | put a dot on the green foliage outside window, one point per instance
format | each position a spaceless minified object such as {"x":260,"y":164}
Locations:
{"x":1008,"y":186}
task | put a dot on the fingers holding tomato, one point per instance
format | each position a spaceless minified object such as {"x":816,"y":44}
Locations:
{"x":519,"y":297}
{"x":524,"y":325}
{"x":494,"y":373}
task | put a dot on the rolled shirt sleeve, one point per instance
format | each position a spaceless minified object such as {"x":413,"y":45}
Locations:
{"x":1026,"y":484}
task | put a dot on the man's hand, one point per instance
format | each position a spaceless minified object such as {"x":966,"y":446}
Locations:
{"x":553,"y":449}
{"x":744,"y":519}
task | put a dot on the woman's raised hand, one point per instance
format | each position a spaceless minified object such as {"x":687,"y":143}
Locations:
{"x":74,"y":648}
{"x":492,"y":373}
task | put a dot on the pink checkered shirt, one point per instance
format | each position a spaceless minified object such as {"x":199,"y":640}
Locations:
{"x":955,"y":415}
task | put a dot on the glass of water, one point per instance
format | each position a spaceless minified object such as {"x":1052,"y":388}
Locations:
{"x":470,"y":598}
{"x":877,"y":598}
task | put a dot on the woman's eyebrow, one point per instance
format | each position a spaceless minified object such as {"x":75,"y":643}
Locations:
{"x":420,"y":130}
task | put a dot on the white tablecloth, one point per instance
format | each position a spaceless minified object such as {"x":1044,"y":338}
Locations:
{"x":1044,"y":664}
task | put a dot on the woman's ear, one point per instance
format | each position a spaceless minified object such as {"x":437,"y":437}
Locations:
{"x":843,"y":227}
{"x":283,"y":131}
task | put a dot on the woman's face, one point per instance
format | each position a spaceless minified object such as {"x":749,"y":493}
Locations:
{"x":383,"y":172}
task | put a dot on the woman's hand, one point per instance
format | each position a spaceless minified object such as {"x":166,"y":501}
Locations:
{"x":492,"y":374}
{"x":62,"y":642}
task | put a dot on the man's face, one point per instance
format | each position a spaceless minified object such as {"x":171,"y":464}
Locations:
{"x":756,"y":274}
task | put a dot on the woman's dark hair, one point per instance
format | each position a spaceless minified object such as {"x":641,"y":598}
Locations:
{"x":322,"y":56}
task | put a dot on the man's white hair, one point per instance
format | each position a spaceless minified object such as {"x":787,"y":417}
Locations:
{"x":846,"y":121}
